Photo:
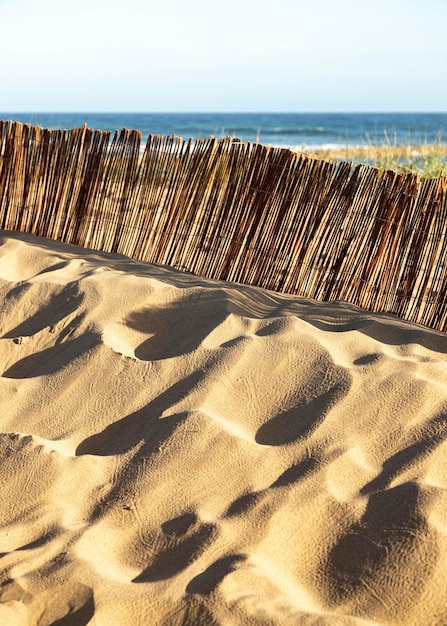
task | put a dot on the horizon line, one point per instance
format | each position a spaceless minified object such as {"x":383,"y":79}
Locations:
{"x":122,"y":112}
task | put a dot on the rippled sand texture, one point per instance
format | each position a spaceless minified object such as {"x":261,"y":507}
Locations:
{"x":181,"y":451}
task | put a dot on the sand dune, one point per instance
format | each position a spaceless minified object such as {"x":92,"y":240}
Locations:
{"x":182,"y":451}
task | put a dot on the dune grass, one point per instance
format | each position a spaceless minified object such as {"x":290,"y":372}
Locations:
{"x":427,"y":160}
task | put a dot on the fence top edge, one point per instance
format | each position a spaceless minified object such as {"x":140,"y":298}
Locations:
{"x":9,"y":127}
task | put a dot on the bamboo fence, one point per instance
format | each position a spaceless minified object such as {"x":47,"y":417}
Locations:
{"x":235,"y":211}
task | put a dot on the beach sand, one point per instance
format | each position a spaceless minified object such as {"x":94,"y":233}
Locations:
{"x":182,"y":451}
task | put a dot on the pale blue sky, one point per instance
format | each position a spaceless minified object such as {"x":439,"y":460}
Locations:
{"x":237,"y":55}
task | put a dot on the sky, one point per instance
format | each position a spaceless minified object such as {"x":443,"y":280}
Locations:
{"x":229,"y":56}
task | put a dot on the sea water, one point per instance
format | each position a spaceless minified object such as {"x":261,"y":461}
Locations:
{"x":296,"y":130}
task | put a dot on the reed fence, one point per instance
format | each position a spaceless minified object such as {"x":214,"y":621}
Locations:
{"x":235,"y":211}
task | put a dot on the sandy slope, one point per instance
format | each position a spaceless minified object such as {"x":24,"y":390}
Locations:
{"x":176,"y":451}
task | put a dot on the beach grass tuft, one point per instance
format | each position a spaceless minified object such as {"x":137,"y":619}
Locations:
{"x":419,"y":157}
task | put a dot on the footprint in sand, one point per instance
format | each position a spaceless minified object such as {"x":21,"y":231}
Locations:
{"x":209,"y":580}
{"x":325,"y":386}
{"x":383,"y":562}
{"x":52,"y":360}
{"x":182,"y":541}
{"x":71,"y":604}
{"x":144,"y":424}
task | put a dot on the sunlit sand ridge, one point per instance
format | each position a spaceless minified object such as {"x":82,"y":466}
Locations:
{"x":182,"y":451}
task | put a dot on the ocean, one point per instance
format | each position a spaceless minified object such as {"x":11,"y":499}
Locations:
{"x":296,"y":130}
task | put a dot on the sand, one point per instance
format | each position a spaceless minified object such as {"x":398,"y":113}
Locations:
{"x":182,"y":451}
